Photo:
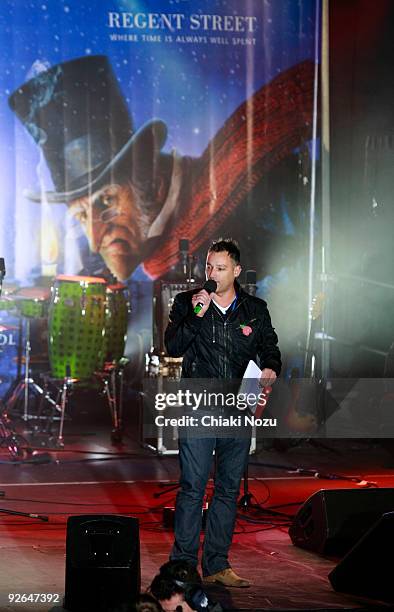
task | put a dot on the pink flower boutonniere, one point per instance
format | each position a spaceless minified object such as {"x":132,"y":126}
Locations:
{"x":246,"y":329}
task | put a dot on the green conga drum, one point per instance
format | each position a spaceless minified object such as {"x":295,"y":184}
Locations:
{"x":7,"y":301}
{"x":76,"y":326}
{"x":116,"y":316}
{"x":33,"y":302}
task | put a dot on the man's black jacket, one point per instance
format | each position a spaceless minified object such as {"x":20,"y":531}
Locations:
{"x":215,"y":345}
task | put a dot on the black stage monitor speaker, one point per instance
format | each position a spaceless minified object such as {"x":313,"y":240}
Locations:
{"x":366,"y":570}
{"x":102,"y":563}
{"x":331,"y":521}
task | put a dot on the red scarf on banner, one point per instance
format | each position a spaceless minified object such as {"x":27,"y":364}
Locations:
{"x":259,"y":134}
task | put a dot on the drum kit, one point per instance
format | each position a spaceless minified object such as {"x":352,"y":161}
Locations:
{"x":87,"y":327}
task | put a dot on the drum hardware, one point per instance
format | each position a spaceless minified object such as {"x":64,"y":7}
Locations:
{"x":87,"y":334}
{"x":57,"y":408}
{"x":161,"y":365}
{"x":161,"y":368}
{"x":67,"y":383}
{"x":112,"y":378}
{"x":87,"y":327}
{"x":31,"y":303}
{"x":172,"y":368}
{"x":51,"y":410}
{"x":161,"y":442}
{"x":23,"y":387}
{"x":152,"y":363}
{"x":16,"y":444}
{"x":19,"y":450}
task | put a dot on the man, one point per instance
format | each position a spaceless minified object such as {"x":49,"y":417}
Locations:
{"x":178,"y":587}
{"x":213,"y":344}
{"x":133,"y":201}
{"x":146,"y":603}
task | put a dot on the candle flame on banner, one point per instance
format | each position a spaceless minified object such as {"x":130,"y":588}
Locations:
{"x":49,"y":249}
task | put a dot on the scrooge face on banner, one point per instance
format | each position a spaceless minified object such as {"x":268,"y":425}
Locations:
{"x":129,"y":129}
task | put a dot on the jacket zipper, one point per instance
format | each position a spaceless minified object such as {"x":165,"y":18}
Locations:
{"x":225,"y":347}
{"x":224,"y":333}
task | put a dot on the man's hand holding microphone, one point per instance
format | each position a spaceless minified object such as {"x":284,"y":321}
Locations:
{"x":202,"y":299}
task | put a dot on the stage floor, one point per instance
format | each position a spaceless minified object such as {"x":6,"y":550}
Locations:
{"x":91,"y":476}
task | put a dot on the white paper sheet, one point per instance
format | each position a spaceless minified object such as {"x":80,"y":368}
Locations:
{"x":250,"y":385}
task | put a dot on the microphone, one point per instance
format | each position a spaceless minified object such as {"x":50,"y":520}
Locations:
{"x":251,"y":280}
{"x":251,"y":277}
{"x":184,"y":257}
{"x":2,"y":268}
{"x":210,"y":287}
{"x":2,"y":273}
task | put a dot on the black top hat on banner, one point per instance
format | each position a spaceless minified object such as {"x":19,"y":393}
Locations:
{"x":76,"y":113}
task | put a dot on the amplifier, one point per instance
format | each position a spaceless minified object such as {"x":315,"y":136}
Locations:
{"x":164,"y":294}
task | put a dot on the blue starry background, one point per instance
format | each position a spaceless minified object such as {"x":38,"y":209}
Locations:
{"x":193,"y":87}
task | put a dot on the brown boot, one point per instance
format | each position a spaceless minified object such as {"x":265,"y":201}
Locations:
{"x":229,"y":578}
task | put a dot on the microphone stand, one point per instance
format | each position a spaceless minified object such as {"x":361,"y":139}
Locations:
{"x":2,"y":273}
{"x":246,"y":500}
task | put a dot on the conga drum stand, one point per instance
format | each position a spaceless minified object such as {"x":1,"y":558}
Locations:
{"x":22,"y":388}
{"x":57,"y":406}
{"x":112,"y":379}
{"x":16,"y":444}
{"x":67,"y":382}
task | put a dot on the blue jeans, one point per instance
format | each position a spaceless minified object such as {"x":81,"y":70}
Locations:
{"x":195,"y":456}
